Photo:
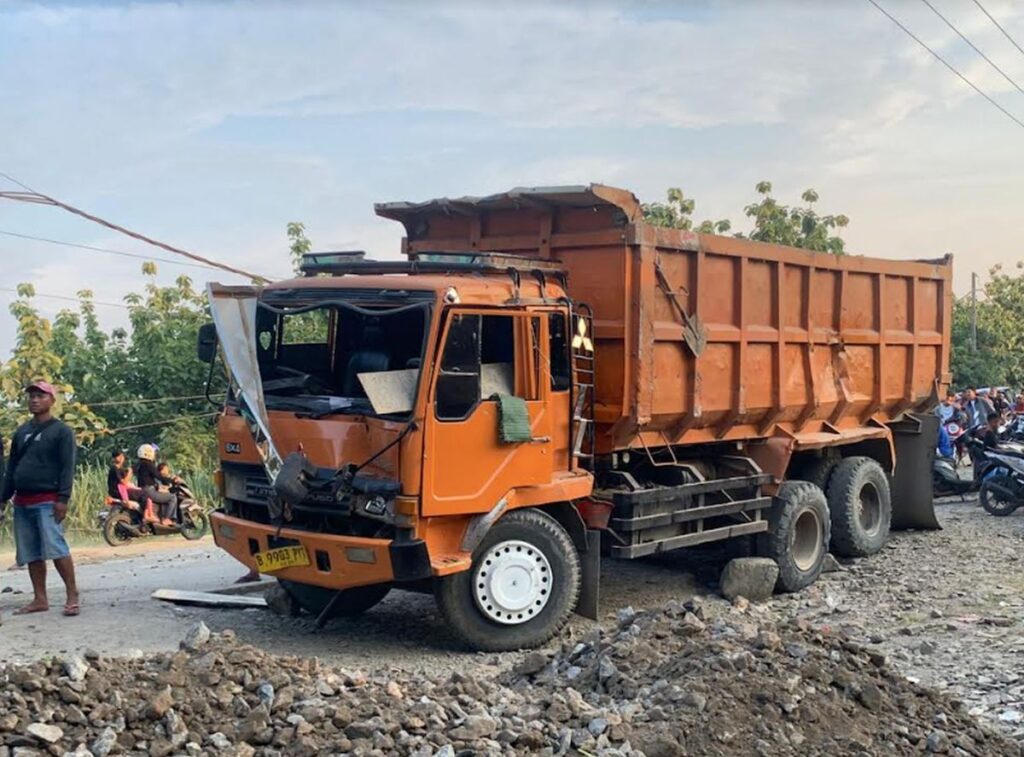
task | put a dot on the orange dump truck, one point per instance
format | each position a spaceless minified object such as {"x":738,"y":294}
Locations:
{"x":544,"y":380}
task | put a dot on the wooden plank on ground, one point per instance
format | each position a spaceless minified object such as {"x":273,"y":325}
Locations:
{"x":207,"y":599}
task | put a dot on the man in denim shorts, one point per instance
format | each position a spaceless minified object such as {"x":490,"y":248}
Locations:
{"x":39,"y":476}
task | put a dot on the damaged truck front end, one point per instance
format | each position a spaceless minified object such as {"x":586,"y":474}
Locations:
{"x":319,"y":451}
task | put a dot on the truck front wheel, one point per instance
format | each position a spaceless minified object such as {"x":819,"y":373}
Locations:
{"x":520,"y":589}
{"x":861,"y":507}
{"x":798,"y":534}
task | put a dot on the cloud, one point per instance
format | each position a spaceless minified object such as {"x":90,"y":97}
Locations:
{"x":211,"y":125}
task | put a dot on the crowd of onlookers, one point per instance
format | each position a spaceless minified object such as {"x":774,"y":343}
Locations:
{"x":971,"y":407}
{"x":977,"y":411}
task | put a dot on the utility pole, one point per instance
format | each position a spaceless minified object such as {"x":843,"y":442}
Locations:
{"x":974,"y":312}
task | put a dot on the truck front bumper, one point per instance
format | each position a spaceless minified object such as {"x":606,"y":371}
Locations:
{"x":336,"y":562}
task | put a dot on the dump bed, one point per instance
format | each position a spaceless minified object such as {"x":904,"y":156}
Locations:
{"x":702,"y":338}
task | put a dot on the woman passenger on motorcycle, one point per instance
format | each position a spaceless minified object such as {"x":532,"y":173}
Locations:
{"x":149,"y":479}
{"x":119,"y":481}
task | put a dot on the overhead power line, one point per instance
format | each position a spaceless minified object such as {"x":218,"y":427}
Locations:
{"x":974,"y":47}
{"x":999,"y":27}
{"x":65,"y":297}
{"x":163,"y":422}
{"x":32,"y":196}
{"x":146,"y":401}
{"x":107,"y":250}
{"x":944,"y":62}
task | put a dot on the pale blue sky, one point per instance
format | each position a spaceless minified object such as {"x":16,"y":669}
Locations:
{"x":211,"y":125}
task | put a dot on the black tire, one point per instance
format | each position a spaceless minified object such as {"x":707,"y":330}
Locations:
{"x":817,"y":470}
{"x":994,"y":502}
{"x":352,"y":603}
{"x":798,"y":534}
{"x":114,"y":532}
{"x":861,"y":507}
{"x":538,"y":538}
{"x":194,"y":527}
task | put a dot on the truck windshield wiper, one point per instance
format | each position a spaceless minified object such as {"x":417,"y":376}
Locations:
{"x":351,"y":409}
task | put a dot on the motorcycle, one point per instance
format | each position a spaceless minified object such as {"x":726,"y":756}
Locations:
{"x":1015,"y":428}
{"x":124,"y":520}
{"x":1002,"y":491}
{"x":947,"y":481}
{"x":946,"y":478}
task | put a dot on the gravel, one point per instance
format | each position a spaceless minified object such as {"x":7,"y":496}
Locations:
{"x":692,"y":678}
{"x":944,"y":607}
{"x":939,"y":612}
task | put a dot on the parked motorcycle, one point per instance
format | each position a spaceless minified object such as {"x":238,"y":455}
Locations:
{"x":1002,"y":491}
{"x":1015,"y":428}
{"x":947,"y":481}
{"x":946,"y":477}
{"x":123,"y":521}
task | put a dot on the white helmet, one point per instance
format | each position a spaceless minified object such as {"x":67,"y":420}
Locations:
{"x":146,"y":452}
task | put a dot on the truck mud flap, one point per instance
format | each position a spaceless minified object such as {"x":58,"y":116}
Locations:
{"x":914,"y":437}
{"x":589,"y":603}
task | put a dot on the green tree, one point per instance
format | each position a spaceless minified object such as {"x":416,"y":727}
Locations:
{"x":128,"y":386}
{"x":303,"y":328}
{"x":34,"y":358}
{"x":299,"y":244}
{"x":677,"y":213}
{"x":121,"y":389}
{"x":999,"y":357}
{"x":795,"y":226}
{"x":979,"y":367}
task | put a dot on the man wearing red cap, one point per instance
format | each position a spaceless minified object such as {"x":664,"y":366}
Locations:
{"x":39,"y":477}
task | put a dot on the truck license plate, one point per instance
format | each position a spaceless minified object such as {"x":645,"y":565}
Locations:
{"x":284,"y":557}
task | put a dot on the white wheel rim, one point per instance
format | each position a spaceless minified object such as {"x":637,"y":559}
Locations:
{"x":512,"y":582}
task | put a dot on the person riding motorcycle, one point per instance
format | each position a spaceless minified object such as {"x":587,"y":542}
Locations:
{"x":149,"y":479}
{"x":989,"y":433}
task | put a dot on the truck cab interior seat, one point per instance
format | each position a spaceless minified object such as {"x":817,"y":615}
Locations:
{"x":372,"y":358}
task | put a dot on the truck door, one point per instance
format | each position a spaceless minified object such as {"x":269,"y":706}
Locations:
{"x":467,"y":466}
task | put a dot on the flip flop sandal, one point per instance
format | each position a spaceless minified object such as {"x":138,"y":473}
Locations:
{"x":72,"y":609}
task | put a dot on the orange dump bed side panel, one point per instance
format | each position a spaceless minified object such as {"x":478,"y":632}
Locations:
{"x":781,"y":340}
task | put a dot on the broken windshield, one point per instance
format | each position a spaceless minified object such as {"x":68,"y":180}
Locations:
{"x":341,"y":356}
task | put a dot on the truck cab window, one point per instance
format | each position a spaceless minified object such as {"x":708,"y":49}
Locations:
{"x":558,"y":344}
{"x":458,"y":384}
{"x":316,"y":361}
{"x":480,"y":360}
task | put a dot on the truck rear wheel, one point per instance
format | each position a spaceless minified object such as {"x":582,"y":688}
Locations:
{"x":352,"y":602}
{"x":798,"y":534}
{"x":861,"y":507}
{"x":521,"y":588}
{"x":817,"y":470}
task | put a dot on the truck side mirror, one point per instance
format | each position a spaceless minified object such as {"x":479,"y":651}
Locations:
{"x":206,"y":343}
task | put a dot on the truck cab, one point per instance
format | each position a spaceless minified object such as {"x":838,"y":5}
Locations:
{"x":425,"y":399}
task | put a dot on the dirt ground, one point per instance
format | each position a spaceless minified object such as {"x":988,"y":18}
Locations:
{"x":946,"y":607}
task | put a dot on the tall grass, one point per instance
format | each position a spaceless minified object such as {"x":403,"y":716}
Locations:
{"x":88,"y":496}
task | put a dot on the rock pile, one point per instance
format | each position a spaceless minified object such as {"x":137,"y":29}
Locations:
{"x":672,"y":682}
